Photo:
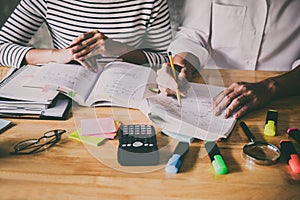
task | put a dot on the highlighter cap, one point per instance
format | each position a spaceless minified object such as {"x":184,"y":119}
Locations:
{"x":271,"y":122}
{"x":219,"y":165}
{"x":173,"y":164}
{"x":294,"y":133}
{"x":294,"y":163}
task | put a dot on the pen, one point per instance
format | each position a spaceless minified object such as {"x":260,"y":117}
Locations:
{"x":216,"y":158}
{"x":294,"y":133}
{"x":174,"y":74}
{"x":175,"y":161}
{"x":291,"y":155}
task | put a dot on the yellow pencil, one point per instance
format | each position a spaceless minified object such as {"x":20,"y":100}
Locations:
{"x":174,"y":74}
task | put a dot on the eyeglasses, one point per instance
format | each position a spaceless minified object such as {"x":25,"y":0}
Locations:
{"x":30,"y":146}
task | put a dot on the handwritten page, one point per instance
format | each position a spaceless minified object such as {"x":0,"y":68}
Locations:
{"x":194,"y":118}
{"x":67,"y":77}
{"x":123,"y":83}
{"x":13,"y":86}
{"x":116,"y":84}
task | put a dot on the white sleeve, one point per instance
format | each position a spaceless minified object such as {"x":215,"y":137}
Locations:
{"x":296,"y":64}
{"x":194,"y":31}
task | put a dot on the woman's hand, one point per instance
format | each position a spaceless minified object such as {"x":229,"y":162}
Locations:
{"x":241,"y":97}
{"x":168,"y":84}
{"x":166,"y":81}
{"x":96,"y":43}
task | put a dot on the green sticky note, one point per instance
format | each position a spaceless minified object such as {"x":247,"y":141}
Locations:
{"x":95,"y":141}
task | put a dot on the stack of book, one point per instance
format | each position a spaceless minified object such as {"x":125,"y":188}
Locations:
{"x":17,"y":100}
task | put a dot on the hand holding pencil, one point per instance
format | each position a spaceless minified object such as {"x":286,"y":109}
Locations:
{"x":172,"y":82}
{"x":175,"y":77}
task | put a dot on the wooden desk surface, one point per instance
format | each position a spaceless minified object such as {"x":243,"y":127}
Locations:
{"x":71,"y":170}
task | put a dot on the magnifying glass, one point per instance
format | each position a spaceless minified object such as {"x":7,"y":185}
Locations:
{"x":259,"y":152}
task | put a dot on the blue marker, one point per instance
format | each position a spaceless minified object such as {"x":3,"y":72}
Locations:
{"x":175,"y":161}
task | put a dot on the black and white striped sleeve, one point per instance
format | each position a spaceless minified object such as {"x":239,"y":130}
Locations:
{"x":158,"y":35}
{"x":15,"y":34}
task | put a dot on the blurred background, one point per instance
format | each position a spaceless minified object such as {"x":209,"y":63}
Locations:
{"x":42,"y":38}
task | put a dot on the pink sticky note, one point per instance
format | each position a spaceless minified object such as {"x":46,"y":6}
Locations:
{"x":98,"y":126}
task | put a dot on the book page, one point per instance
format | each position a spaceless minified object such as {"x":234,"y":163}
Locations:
{"x":72,"y":80}
{"x":12,"y":87}
{"x":194,"y":118}
{"x":122,"y":84}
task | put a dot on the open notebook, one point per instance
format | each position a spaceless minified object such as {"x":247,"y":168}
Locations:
{"x":194,"y":118}
{"x":117,"y":84}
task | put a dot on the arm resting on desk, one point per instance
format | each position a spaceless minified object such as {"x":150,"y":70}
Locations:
{"x":286,"y":84}
{"x":242,"y":97}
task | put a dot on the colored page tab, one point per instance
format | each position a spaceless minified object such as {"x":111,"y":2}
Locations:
{"x":98,"y":126}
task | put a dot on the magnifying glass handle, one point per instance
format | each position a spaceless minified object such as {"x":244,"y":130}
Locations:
{"x":247,"y":131}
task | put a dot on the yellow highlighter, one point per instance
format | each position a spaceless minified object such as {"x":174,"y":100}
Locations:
{"x":174,"y":75}
{"x":271,"y":123}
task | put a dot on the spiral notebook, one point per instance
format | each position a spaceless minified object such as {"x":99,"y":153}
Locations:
{"x":24,"y":102}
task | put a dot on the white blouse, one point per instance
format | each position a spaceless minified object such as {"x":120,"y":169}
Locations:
{"x":241,"y":34}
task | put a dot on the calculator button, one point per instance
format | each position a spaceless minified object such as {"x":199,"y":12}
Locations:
{"x":137,"y":144}
{"x":123,"y":145}
{"x":150,"y":145}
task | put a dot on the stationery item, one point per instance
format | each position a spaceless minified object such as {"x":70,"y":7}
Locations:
{"x":175,"y":77}
{"x":105,"y":127}
{"x":290,"y":154}
{"x":91,"y":140}
{"x":271,"y":123}
{"x":59,"y":109}
{"x":194,"y":119}
{"x":216,"y":157}
{"x":4,"y":124}
{"x":137,"y":145}
{"x":259,"y":152}
{"x":11,"y":104}
{"x":117,"y":84}
{"x":108,"y":59}
{"x":18,"y":101}
{"x":294,"y":133}
{"x":12,"y":87}
{"x":174,"y":163}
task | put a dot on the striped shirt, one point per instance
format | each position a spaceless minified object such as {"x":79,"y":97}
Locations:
{"x":142,"y":24}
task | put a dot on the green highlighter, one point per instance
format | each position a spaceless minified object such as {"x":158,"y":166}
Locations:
{"x":216,"y":158}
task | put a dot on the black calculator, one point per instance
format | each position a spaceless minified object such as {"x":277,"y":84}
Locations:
{"x":137,"y":145}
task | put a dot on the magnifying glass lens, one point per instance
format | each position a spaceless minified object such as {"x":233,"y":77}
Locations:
{"x":262,"y":151}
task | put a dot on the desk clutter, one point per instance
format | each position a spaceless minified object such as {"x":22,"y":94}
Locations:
{"x":138,"y":146}
{"x":95,"y":131}
{"x":47,"y":92}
